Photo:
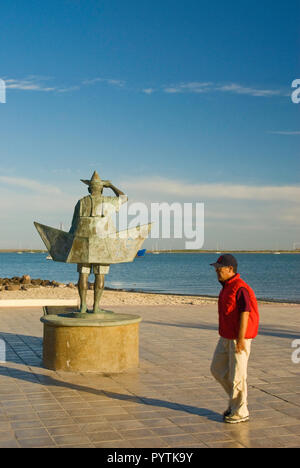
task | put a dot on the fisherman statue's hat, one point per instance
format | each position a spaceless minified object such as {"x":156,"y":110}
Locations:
{"x":95,"y":180}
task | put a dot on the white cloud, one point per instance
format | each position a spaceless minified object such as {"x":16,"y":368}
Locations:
{"x":202,"y":192}
{"x":239,"y":89}
{"x":109,"y":81}
{"x":249,"y":215}
{"x":31,"y":185}
{"x":148,"y":90}
{"x":195,"y":85}
{"x":190,"y":87}
{"x":35,"y":83}
{"x":264,"y":214}
{"x":173,"y":90}
{"x":27,"y":85}
{"x":209,"y":87}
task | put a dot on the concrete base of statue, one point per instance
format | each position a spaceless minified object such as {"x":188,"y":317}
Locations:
{"x":103,"y":342}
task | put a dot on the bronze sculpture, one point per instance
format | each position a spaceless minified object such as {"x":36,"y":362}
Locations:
{"x":93,"y":242}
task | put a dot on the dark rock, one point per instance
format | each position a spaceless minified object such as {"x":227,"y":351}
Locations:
{"x":12,"y":287}
{"x":45,"y":283}
{"x":36,"y":282}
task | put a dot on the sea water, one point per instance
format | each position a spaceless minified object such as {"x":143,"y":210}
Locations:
{"x":275,"y":277}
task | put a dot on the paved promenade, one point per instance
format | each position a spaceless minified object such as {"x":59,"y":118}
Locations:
{"x":170,"y":401}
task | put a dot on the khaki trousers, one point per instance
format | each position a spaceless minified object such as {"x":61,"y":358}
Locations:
{"x":230,"y":370}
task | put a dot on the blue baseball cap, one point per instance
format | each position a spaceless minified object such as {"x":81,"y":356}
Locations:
{"x":225,"y":261}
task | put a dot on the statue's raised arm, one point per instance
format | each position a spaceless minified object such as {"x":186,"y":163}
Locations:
{"x":108,"y":184}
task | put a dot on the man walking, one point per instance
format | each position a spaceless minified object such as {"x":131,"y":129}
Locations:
{"x":238,"y":325}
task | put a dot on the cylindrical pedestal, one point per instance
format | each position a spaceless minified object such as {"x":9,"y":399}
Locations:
{"x":91,"y":344}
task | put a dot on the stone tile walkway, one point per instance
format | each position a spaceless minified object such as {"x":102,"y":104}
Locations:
{"x":170,"y":401}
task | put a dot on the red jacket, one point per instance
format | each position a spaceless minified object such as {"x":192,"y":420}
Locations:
{"x":229,"y":316}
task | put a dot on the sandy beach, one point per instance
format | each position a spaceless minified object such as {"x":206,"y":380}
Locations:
{"x":112,"y":297}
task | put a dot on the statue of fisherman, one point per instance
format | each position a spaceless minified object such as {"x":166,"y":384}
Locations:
{"x":92,"y":216}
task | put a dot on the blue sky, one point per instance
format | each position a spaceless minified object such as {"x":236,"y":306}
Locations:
{"x":154,"y":95}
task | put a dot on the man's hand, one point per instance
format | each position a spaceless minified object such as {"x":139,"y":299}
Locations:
{"x":240,"y":345}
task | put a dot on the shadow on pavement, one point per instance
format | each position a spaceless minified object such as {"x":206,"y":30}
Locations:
{"x":46,"y":380}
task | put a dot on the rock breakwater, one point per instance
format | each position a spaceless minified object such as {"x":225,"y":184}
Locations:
{"x":25,"y":283}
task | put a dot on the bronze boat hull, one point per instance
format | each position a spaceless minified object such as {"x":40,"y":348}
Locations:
{"x":118,"y":247}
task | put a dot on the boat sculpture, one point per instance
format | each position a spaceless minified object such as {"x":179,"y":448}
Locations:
{"x":92,"y":340}
{"x":93,"y":241}
{"x":120,"y":247}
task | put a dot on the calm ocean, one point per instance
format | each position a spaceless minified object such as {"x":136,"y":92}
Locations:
{"x":271,"y":276}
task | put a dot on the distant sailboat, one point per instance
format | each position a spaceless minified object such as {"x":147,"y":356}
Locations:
{"x":218,"y":250}
{"x":276,"y":252}
{"x":155,"y":252}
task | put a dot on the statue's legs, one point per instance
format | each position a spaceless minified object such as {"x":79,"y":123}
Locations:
{"x":82,"y":289}
{"x":98,"y":291}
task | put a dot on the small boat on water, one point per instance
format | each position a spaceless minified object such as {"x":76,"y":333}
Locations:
{"x":141,"y":253}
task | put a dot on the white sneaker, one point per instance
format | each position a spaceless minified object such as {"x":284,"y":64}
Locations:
{"x":232,"y":419}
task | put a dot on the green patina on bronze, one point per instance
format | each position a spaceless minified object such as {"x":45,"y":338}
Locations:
{"x":93,"y":241}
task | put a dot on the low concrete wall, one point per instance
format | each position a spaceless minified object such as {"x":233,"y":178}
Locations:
{"x":37,"y":302}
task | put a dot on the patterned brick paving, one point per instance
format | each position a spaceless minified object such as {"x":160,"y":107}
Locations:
{"x":170,"y":401}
